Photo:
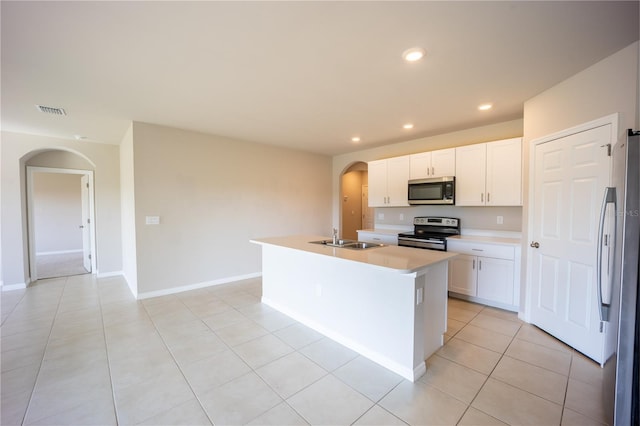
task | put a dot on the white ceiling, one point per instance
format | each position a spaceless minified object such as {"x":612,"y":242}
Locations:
{"x":307,"y":75}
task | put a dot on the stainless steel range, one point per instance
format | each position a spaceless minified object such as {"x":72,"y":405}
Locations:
{"x":430,"y":232}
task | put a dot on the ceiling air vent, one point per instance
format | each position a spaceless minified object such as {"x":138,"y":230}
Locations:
{"x":51,"y":110}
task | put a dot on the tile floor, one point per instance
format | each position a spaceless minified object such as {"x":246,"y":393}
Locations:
{"x":82,"y":351}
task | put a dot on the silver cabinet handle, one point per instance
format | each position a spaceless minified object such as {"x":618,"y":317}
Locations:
{"x":474,"y":264}
{"x":609,"y":198}
{"x":479,"y":265}
{"x":433,"y":171}
{"x":534,"y":244}
{"x":482,"y":197}
{"x":488,"y":197}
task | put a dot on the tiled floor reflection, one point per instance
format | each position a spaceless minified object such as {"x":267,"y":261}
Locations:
{"x":82,"y":350}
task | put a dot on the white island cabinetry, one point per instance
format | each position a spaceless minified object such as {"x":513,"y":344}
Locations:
{"x":386,"y":303}
{"x":486,"y":270}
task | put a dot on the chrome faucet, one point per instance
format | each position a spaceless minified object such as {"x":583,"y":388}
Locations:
{"x":335,"y":236}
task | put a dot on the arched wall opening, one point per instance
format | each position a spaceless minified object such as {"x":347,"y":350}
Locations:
{"x":45,"y":176}
{"x":355,"y":213}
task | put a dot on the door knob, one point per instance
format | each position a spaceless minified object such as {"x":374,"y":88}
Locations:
{"x":81,"y":226}
{"x":534,"y":244}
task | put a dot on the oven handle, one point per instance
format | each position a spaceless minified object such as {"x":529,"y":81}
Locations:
{"x":420,"y":240}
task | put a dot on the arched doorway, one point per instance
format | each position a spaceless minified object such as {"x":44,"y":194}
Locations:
{"x":60,"y":214}
{"x":355,"y":213}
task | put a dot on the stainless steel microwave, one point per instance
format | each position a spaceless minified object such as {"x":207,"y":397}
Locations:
{"x":440,"y":190}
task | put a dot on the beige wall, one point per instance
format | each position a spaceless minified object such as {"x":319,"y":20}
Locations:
{"x":57,"y":212}
{"x":16,"y":149}
{"x":213,"y":195}
{"x":608,"y":87}
{"x":477,"y":218}
{"x":128,"y":214}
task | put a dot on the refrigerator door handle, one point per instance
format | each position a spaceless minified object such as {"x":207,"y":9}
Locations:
{"x":609,"y":198}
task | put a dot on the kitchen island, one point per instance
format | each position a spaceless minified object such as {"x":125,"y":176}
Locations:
{"x":387,"y":303}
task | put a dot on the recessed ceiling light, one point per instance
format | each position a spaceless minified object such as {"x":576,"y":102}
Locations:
{"x":355,"y":139}
{"x":408,"y":126}
{"x":485,"y":107}
{"x":414,"y":54}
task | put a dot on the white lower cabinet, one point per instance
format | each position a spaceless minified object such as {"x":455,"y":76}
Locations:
{"x":486,"y":273}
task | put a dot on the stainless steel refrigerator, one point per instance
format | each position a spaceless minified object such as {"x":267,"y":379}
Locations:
{"x":619,"y":309}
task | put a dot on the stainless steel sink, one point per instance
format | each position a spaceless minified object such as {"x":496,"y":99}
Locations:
{"x":339,"y":243}
{"x":360,"y":245}
{"x":349,"y":244}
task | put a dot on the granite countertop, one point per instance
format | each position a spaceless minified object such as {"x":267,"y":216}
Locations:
{"x":403,"y":260}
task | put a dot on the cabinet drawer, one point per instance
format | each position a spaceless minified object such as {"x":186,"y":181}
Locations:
{"x":373,"y":237}
{"x":479,"y":249}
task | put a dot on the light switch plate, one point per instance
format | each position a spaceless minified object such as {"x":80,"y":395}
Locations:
{"x":152,"y":220}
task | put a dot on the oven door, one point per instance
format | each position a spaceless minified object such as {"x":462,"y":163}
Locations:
{"x":423,"y":243}
{"x":432,"y":191}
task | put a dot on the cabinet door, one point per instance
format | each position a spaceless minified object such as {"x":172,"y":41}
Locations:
{"x":397,"y":181}
{"x":443,"y":162}
{"x":462,"y":275}
{"x":495,"y":280}
{"x":377,"y":171}
{"x":470,"y":175}
{"x":504,"y":173}
{"x":420,"y":165}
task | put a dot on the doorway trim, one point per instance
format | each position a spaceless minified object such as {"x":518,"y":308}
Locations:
{"x":31,"y":170}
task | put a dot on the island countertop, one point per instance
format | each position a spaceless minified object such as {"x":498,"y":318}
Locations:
{"x":404,"y":260}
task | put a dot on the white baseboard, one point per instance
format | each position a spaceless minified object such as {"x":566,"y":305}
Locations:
{"x":174,"y":290}
{"x":44,"y":253}
{"x":10,"y":287}
{"x":109,"y":274}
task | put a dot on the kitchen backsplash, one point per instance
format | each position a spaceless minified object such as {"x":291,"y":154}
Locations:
{"x":470,"y":217}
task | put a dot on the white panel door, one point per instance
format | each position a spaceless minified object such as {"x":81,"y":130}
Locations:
{"x":570,"y":175}
{"x":85,"y":226}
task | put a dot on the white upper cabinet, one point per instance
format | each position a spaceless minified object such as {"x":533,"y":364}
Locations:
{"x":471,"y":170}
{"x":433,"y":164}
{"x":489,"y":174}
{"x":388,"y":182}
{"x":504,"y":173}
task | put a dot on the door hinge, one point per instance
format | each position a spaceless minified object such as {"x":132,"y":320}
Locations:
{"x":89,"y":256}
{"x":89,"y":220}
{"x":608,"y":149}
{"x":87,"y":185}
